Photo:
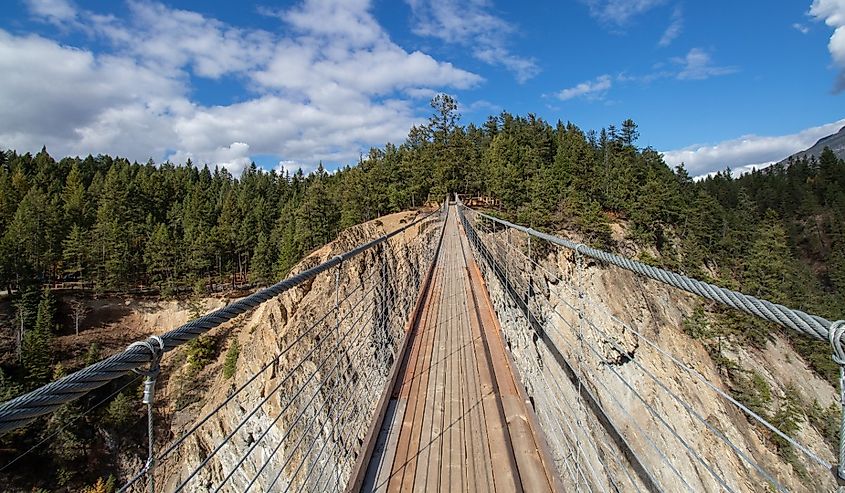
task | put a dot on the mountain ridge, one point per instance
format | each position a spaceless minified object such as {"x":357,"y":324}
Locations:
{"x":835,"y":141}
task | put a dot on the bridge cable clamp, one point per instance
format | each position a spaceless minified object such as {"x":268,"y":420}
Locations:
{"x":155,"y":345}
{"x":579,"y":264}
{"x":835,"y":333}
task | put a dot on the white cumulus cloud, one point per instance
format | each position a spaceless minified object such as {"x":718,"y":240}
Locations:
{"x":833,"y":14}
{"x":746,"y":152}
{"x":698,"y":65}
{"x":326,"y":86}
{"x":470,"y":23}
{"x":592,"y":89}
{"x":56,"y":12}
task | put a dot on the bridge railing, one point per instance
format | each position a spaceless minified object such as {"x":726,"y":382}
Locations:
{"x":627,"y":400}
{"x":295,"y":418}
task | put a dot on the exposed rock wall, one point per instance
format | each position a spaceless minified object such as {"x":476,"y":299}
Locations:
{"x":678,"y":440}
{"x":329,"y":370}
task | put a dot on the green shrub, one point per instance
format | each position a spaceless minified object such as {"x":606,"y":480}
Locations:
{"x":696,"y":325}
{"x":231,"y":362}
{"x":753,"y":391}
{"x":120,"y":412}
{"x":200,"y":352}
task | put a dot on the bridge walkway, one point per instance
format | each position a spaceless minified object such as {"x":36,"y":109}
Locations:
{"x":457,"y":419}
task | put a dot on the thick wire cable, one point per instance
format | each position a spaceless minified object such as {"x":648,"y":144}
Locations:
{"x":560,"y":390}
{"x":347,"y":433}
{"x":281,"y":413}
{"x":812,"y":325}
{"x":601,"y":307}
{"x":70,"y":423}
{"x":360,"y":345}
{"x":509,"y":279}
{"x":23,"y":409}
{"x":299,"y":338}
{"x":619,"y":404}
{"x":348,"y":453}
{"x":391,"y":299}
{"x":692,"y":412}
{"x":257,"y":407}
{"x":301,"y":413}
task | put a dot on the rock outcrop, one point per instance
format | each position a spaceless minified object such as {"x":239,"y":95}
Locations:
{"x":306,"y":414}
{"x":683,"y":432}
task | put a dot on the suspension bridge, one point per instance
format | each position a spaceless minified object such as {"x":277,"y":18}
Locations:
{"x":462,"y":352}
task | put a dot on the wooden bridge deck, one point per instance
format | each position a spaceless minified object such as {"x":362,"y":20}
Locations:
{"x":457,"y":419}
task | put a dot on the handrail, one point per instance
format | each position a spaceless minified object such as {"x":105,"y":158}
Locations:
{"x":23,"y":409}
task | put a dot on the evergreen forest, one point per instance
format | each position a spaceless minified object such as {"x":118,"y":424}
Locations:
{"x":114,"y":226}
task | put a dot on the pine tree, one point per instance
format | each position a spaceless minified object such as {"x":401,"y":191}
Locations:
{"x":159,"y":256}
{"x":261,"y":260}
{"x":74,"y":196}
{"x":33,"y":234}
{"x":37,"y":344}
{"x":768,"y":270}
{"x":75,"y":252}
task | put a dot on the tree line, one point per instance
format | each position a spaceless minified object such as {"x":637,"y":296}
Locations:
{"x":112,"y":225}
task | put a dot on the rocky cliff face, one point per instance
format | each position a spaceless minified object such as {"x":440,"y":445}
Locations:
{"x":677,"y":425}
{"x":304,"y":417}
{"x":683,"y":432}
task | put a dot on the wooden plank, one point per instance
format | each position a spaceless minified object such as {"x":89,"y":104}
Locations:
{"x":468,"y":379}
{"x":460,"y":419}
{"x":479,"y":466}
{"x":446,"y":443}
{"x":417,"y":393}
{"x":502,"y":462}
{"x":481,"y":386}
{"x":359,"y":470}
{"x":533,"y":473}
{"x":436,"y":447}
{"x":428,"y":421}
{"x":408,"y":388}
{"x":456,"y":456}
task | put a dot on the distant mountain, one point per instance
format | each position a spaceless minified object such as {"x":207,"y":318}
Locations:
{"x":836,"y":142}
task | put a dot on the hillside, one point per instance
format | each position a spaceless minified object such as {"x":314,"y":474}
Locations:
{"x":836,"y":143}
{"x":110,"y":227}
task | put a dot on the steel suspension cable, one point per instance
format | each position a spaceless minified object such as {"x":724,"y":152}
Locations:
{"x":430,"y":257}
{"x":569,"y":406}
{"x":281,"y":413}
{"x":255,"y":410}
{"x":348,"y":431}
{"x":293,"y":476}
{"x":812,"y":325}
{"x":21,"y":410}
{"x":619,"y":404}
{"x":597,"y":304}
{"x":299,"y":416}
{"x":175,"y":444}
{"x":764,"y":473}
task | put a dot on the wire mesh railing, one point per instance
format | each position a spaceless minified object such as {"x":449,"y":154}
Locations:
{"x":289,"y":419}
{"x":300,"y":427}
{"x":627,"y":400}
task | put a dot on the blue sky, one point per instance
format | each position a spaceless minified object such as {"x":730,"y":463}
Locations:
{"x":713,"y":84}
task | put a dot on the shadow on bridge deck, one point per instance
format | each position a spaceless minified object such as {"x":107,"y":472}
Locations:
{"x":457,"y":419}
